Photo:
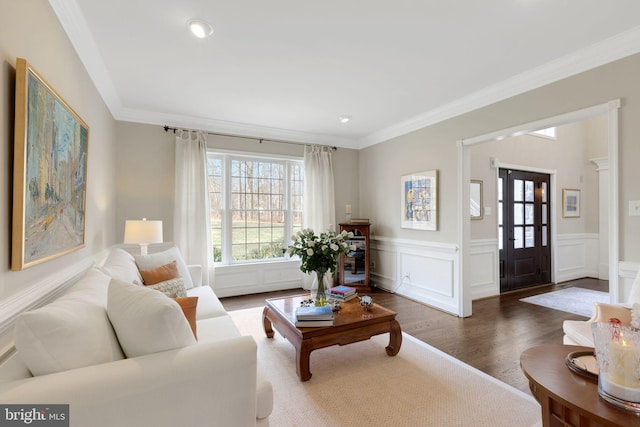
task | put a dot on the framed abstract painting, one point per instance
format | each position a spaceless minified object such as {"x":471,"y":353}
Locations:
{"x":419,"y":200}
{"x":50,"y":173}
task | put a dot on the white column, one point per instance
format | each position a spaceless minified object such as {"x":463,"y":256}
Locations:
{"x":602,"y":167}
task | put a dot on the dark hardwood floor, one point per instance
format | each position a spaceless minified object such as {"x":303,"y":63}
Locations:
{"x":491,"y":340}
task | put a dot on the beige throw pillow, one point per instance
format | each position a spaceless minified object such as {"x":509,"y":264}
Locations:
{"x":173,"y":288}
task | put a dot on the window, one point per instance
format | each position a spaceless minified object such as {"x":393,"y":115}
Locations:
{"x":256,"y":205}
{"x":546,"y":133}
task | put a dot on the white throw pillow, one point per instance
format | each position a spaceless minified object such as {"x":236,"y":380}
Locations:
{"x":121,"y":265}
{"x":71,"y":332}
{"x":146,"y":321}
{"x":173,"y":288}
{"x":151,"y":261}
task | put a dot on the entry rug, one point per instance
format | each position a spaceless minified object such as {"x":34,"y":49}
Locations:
{"x":359,"y":385}
{"x":572,"y":300}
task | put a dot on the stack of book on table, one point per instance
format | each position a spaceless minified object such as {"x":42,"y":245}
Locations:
{"x":313,"y":317}
{"x":342,"y":293}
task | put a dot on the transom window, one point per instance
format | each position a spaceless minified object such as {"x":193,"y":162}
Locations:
{"x":547,"y":133}
{"x":256,"y":205}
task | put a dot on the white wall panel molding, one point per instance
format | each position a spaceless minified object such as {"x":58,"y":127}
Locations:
{"x":484,"y":276}
{"x":420,"y":270}
{"x":577,"y":255}
{"x":41,"y":292}
{"x":242,"y":279}
{"x":627,"y":272}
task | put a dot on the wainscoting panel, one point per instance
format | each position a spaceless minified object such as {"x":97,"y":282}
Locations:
{"x":245,"y":279}
{"x":483,"y":272}
{"x":627,"y":272}
{"x":423,"y":271}
{"x":577,"y":256}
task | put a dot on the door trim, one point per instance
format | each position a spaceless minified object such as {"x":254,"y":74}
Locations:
{"x":464,"y":176}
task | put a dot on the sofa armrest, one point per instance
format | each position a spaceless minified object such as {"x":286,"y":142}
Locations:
{"x":195,"y":271}
{"x":602,"y":312}
{"x":189,"y":386}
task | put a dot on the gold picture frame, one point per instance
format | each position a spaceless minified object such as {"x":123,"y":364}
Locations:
{"x":570,"y":203}
{"x":50,"y":173}
{"x":419,"y":200}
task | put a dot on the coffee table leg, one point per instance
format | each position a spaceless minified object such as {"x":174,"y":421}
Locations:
{"x":395,"y":338}
{"x":266,"y":323}
{"x":303,"y":351}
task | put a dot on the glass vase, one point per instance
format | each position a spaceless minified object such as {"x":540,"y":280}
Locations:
{"x":618,"y":354}
{"x":318,"y":293}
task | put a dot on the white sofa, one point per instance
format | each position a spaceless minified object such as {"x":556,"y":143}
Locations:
{"x":214,"y":382}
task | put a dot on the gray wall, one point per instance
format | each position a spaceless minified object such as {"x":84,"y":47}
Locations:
{"x":146,"y":171}
{"x":569,"y":155}
{"x":29,"y":29}
{"x":434,"y":147}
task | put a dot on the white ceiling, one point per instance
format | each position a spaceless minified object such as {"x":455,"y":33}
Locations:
{"x":287,"y":69}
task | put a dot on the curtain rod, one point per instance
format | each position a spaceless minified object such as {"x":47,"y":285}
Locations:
{"x":261,"y":140}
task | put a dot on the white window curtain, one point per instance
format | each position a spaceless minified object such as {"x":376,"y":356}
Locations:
{"x":191,"y":222}
{"x":319,"y":211}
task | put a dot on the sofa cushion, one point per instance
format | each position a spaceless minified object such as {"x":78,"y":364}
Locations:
{"x":579,"y":331}
{"x":71,"y":332}
{"x":121,"y":265}
{"x":217,"y":329}
{"x":160,"y":274}
{"x":173,"y":288}
{"x":189,"y":306}
{"x":146,"y":321}
{"x":147,"y":262}
{"x":208,"y":305}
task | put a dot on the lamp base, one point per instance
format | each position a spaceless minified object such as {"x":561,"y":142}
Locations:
{"x":143,"y":249}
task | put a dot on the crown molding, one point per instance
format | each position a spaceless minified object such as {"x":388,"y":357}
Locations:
{"x":231,"y":128}
{"x":609,"y":50}
{"x":604,"y":52}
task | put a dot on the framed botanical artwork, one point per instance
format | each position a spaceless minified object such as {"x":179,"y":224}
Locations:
{"x":570,"y":203}
{"x":419,"y":200}
{"x":50,"y":173}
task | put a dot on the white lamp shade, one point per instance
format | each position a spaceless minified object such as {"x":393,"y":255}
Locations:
{"x":142,"y":231}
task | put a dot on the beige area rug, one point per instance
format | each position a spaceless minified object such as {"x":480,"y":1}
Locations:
{"x":359,"y":385}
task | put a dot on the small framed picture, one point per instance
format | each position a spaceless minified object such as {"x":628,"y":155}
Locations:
{"x":419,"y":200}
{"x":570,"y":203}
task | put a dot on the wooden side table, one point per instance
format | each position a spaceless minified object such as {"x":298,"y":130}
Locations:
{"x":568,"y":399}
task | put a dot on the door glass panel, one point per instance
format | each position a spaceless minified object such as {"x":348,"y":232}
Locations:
{"x":518,"y":242}
{"x":517,"y":190}
{"x":499,"y":213}
{"x":529,"y":241}
{"x":500,"y":247}
{"x":518,"y":214}
{"x":499,"y":188}
{"x":528,"y":214}
{"x":544,"y":213}
{"x":528,"y":191}
{"x":544,"y":192}
{"x":544,"y":235}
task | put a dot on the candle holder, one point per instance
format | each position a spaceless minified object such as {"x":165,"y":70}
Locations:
{"x":348,"y":216}
{"x":617,"y":350}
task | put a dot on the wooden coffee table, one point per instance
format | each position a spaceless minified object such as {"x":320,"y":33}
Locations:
{"x":351,"y":324}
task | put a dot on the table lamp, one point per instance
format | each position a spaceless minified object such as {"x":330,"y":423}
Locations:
{"x":142,"y":232}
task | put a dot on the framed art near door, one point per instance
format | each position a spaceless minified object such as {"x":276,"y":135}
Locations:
{"x":570,"y":203}
{"x":50,"y":173}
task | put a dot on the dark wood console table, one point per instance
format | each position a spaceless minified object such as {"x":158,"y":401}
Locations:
{"x":567,"y":398}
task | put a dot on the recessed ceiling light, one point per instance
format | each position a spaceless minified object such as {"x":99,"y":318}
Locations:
{"x":200,"y":29}
{"x":344,"y":119}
